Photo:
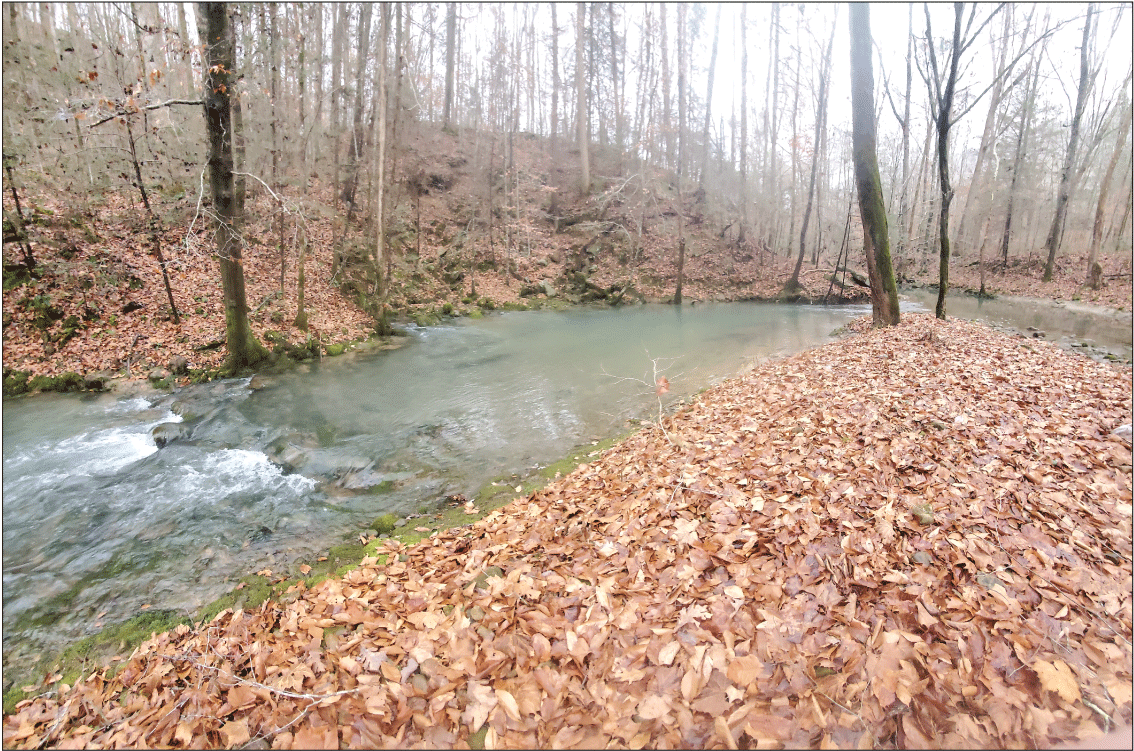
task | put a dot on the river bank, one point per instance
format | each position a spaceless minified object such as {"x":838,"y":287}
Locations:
{"x":872,"y":538}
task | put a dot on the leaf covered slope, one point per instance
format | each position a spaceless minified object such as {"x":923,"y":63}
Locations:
{"x":912,"y":537}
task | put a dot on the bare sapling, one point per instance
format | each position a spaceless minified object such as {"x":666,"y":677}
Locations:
{"x":658,"y":385}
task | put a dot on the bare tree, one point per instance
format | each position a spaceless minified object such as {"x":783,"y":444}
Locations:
{"x":581,"y":129}
{"x":1094,"y":269}
{"x":1086,"y":82}
{"x":941,"y":80}
{"x":709,"y":104}
{"x":243,"y":349}
{"x":871,"y":206}
{"x":820,"y":124}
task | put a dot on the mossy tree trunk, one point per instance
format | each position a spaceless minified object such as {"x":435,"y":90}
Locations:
{"x":883,"y":290}
{"x":243,"y":349}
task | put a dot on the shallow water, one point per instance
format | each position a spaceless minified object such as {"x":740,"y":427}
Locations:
{"x":98,"y":519}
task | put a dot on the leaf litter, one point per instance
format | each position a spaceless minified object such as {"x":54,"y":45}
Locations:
{"x":912,"y":537}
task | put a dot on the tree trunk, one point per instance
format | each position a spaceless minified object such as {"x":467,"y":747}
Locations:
{"x":554,"y":76}
{"x":274,"y":52}
{"x":740,"y":233}
{"x":243,"y":349}
{"x":1094,"y":269}
{"x":820,"y":124}
{"x":986,"y":138}
{"x":618,"y":115}
{"x":1085,"y":80}
{"x":581,"y":129}
{"x":872,"y":207}
{"x":450,"y":61}
{"x":382,"y":282}
{"x":709,"y":101}
{"x":942,"y":117}
{"x":354,"y":153}
{"x":774,"y":114}
{"x":667,"y":102}
{"x":680,"y":152}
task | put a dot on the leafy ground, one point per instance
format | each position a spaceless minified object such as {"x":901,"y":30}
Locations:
{"x":918,"y":536}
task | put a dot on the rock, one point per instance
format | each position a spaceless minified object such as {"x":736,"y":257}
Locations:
{"x":97,"y":381}
{"x":400,"y":523}
{"x":131,"y":306}
{"x":167,"y":433}
{"x":530,"y":290}
{"x":257,"y":382}
{"x":1123,"y":432}
{"x":289,"y":457}
{"x":178,"y":365}
{"x":158,"y":374}
{"x":547,"y":288}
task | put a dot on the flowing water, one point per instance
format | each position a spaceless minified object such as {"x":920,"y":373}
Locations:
{"x":98,"y":521}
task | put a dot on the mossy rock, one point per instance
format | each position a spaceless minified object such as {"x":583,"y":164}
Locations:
{"x":447,"y":308}
{"x":334,"y":350}
{"x":16,"y":383}
{"x":476,"y":313}
{"x":385,"y":524}
{"x":487,"y":303}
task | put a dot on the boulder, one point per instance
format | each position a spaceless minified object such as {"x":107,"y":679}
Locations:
{"x":158,"y":374}
{"x":257,"y":382}
{"x":167,"y":433}
{"x":178,"y":365}
{"x":547,"y":288}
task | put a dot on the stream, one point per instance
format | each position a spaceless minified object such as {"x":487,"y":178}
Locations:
{"x":99,"y":522}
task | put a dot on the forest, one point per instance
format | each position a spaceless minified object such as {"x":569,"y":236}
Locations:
{"x":417,"y":160}
{"x":530,"y":375}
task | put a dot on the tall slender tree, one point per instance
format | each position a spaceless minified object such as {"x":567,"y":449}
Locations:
{"x":1086,"y":82}
{"x":582,"y":136}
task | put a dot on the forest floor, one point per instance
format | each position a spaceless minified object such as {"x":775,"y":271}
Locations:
{"x":909,"y":537}
{"x":97,"y":302}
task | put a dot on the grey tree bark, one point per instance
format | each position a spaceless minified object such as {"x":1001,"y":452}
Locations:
{"x":1086,"y":80}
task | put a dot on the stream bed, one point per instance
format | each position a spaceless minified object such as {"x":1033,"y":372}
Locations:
{"x":99,"y":522}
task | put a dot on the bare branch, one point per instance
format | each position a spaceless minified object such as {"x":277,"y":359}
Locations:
{"x":159,"y":105}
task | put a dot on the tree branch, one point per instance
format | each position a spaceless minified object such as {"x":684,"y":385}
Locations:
{"x":159,"y":105}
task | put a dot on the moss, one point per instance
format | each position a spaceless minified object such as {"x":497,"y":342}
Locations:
{"x":447,"y":308}
{"x":386,"y":486}
{"x":476,"y":313}
{"x":95,"y":651}
{"x":385,"y":524}
{"x":514,"y":306}
{"x":487,"y":303}
{"x":41,"y":383}
{"x":16,"y":383}
{"x":334,"y":350}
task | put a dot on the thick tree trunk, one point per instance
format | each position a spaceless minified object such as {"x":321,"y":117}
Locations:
{"x":243,"y":349}
{"x":872,"y":207}
{"x":1055,"y":234}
